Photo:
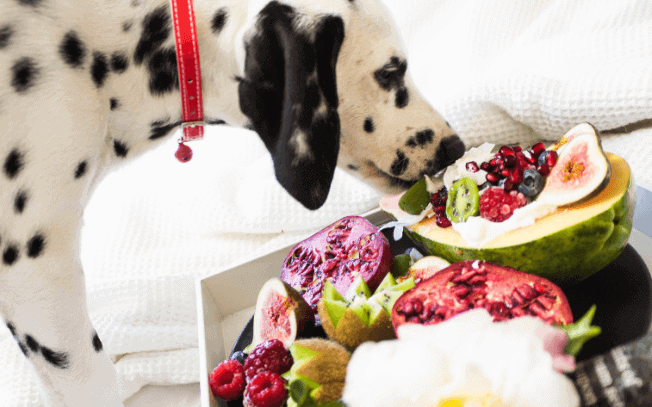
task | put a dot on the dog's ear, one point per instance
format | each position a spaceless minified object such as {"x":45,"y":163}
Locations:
{"x":289,"y":93}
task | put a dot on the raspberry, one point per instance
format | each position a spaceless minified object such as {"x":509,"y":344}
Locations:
{"x":268,"y":356}
{"x":266,"y":389}
{"x":227,"y":380}
{"x":498,"y":205}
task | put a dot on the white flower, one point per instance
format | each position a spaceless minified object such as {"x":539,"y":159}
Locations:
{"x":465,"y":357}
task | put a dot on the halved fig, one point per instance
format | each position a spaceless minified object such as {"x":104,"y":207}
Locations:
{"x":582,"y":168}
{"x":504,"y":292}
{"x":346,"y":249}
{"x":281,"y":313}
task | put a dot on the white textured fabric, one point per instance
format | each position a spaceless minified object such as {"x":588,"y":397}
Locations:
{"x":502,"y":72}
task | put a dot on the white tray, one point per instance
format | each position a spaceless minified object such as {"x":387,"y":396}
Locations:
{"x":226,"y":300}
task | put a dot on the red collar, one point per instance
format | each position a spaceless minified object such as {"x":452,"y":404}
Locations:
{"x":192,"y":108}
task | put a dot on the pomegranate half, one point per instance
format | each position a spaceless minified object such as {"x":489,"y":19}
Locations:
{"x":349,"y":247}
{"x":504,"y":292}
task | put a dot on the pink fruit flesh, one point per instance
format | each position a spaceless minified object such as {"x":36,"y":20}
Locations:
{"x":504,"y":292}
{"x":278,"y":309}
{"x":349,"y":247}
{"x":572,"y":169}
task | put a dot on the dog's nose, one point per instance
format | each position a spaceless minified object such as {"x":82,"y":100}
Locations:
{"x":450,"y":149}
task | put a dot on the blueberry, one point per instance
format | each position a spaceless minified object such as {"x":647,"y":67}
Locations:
{"x":240,"y":356}
{"x":543,"y":158}
{"x":532,"y":183}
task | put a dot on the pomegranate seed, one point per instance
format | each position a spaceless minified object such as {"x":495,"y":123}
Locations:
{"x":493,"y":178}
{"x":443,"y":222}
{"x":517,"y":149}
{"x":510,"y":161}
{"x":551,"y":158}
{"x":544,"y":170}
{"x":526,"y":291}
{"x":472,"y":166}
{"x":500,"y":163}
{"x":516,"y":176}
{"x":529,"y":157}
{"x":537,"y":309}
{"x":485,"y":166}
{"x":546,"y":302}
{"x":505,"y":173}
{"x":505,"y":151}
{"x":540,"y":289}
{"x":537,"y":149}
{"x":440,"y":209}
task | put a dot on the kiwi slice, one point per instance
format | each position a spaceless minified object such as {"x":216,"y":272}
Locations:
{"x":415,"y":199}
{"x":463,"y":200}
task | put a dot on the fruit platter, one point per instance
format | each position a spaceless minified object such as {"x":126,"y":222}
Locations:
{"x":370,"y":284}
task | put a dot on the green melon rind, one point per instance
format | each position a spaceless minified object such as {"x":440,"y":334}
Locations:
{"x":565,"y":257}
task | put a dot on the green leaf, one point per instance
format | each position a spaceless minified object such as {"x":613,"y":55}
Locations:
{"x":415,"y":199}
{"x":402,"y":263}
{"x":580,"y":331}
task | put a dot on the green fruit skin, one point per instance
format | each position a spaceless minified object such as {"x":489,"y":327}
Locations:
{"x":565,"y":257}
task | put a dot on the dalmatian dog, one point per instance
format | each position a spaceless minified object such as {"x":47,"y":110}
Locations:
{"x":87,"y":85}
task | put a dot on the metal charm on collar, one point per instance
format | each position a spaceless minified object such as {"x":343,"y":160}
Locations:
{"x":192,"y":108}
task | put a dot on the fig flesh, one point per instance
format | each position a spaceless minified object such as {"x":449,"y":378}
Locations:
{"x":281,"y":313}
{"x":348,"y":248}
{"x":504,"y":292}
{"x":582,"y":168}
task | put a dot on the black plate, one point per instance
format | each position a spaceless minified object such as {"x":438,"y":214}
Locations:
{"x":622,"y":292}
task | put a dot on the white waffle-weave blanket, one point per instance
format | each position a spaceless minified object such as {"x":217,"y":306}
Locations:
{"x":502,"y":72}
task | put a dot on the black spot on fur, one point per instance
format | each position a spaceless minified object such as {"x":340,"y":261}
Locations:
{"x":352,"y":167}
{"x":161,"y":129}
{"x":115,"y":103}
{"x":14,"y":163}
{"x":219,"y":20}
{"x":421,"y":138}
{"x":35,"y":246}
{"x":12,"y":329}
{"x":402,"y":97}
{"x":215,"y":121}
{"x":120,"y":148}
{"x":119,"y":62}
{"x":156,"y":29}
{"x":10,"y":255}
{"x":31,"y":343}
{"x":31,"y":3}
{"x":97,"y":343}
{"x":5,"y":35}
{"x":80,"y":171}
{"x":57,"y":359}
{"x":369,"y":125}
{"x":425,"y":137}
{"x":400,"y":164}
{"x":20,"y":201}
{"x":390,"y":76}
{"x":72,"y":50}
{"x":24,"y":73}
{"x":126,"y":26}
{"x":99,"y":69}
{"x":23,"y":349}
{"x":163,"y":73}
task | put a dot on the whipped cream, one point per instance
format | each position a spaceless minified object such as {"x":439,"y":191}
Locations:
{"x":458,"y":169}
{"x":478,"y":231}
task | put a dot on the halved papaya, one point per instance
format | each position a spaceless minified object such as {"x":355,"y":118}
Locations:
{"x":566,"y":246}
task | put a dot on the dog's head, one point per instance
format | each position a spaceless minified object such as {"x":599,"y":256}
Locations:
{"x":326,"y":86}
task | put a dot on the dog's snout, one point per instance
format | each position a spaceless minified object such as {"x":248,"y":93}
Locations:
{"x":450,"y":149}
